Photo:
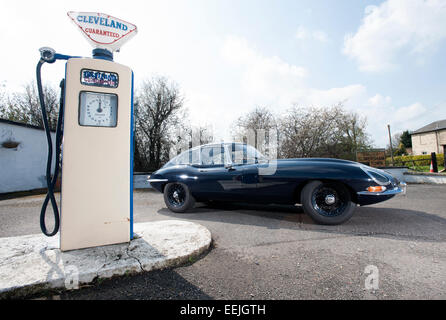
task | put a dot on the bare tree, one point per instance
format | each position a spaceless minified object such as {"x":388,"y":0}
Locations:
{"x":158,"y":108}
{"x":304,"y":130}
{"x":354,"y":137}
{"x":322,"y":132}
{"x":186,"y":137}
{"x":2,"y":96}
{"x":25,"y":106}
{"x":203,"y":133}
{"x":259,"y":128}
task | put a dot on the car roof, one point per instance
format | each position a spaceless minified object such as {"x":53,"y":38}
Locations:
{"x":217,"y":144}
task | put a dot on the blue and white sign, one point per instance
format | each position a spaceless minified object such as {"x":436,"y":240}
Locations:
{"x":103,"y":30}
{"x":99,"y":78}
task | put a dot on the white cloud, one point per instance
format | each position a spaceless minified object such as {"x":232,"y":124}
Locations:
{"x":303,"y":33}
{"x":237,"y":49}
{"x":267,"y":80}
{"x":272,"y":81}
{"x":350,"y":95}
{"x":397,"y":28}
{"x":410,"y":113}
{"x":222,"y":78}
{"x":275,"y":83}
{"x":378,"y":100}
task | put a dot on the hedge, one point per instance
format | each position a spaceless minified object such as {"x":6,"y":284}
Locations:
{"x":398,"y":160}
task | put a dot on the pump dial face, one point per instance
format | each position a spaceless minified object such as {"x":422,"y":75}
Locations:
{"x":98,"y":109}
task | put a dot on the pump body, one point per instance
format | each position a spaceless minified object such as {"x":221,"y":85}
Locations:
{"x":97,"y":154}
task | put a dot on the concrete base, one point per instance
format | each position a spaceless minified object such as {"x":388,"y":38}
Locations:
{"x":425,"y":177}
{"x":397,"y":172}
{"x":404,"y":174}
{"x":29,"y":264}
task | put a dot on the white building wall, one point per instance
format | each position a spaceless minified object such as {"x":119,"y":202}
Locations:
{"x":442,"y":137}
{"x":424,"y":143}
{"x":23,"y":168}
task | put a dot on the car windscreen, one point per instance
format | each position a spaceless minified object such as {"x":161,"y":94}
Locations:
{"x":188,"y":157}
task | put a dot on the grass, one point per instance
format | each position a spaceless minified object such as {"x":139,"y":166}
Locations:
{"x":424,"y":168}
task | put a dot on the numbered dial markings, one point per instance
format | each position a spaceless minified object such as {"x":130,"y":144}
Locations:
{"x":98,"y":109}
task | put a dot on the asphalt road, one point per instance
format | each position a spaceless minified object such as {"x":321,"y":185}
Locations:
{"x":271,"y":252}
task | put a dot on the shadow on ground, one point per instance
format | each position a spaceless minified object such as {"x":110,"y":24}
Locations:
{"x":154,"y":285}
{"x":398,"y":223}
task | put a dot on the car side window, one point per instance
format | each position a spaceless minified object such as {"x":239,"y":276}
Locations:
{"x":239,"y":155}
{"x":206,"y":156}
{"x":212,"y":155}
{"x":244,"y":154}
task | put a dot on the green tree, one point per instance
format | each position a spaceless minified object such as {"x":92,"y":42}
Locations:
{"x":400,"y":151}
{"x":406,"y":139}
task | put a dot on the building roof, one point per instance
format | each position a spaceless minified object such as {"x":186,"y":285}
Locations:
{"x":434,"y":126}
{"x":21,"y":124}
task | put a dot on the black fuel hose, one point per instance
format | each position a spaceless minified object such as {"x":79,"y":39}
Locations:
{"x":51,"y":182}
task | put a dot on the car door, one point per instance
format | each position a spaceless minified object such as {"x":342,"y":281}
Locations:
{"x":242,"y":161}
{"x":218,"y":180}
{"x":260,"y":183}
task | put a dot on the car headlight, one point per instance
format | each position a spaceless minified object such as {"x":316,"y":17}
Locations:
{"x":377,"y":176}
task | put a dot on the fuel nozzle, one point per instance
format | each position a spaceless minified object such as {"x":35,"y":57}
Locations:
{"x":47,"y":54}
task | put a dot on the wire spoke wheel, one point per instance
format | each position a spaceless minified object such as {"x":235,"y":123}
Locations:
{"x":176,"y":195}
{"x":329,"y":201}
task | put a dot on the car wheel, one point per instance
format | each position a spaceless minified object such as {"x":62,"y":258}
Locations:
{"x":178,"y":197}
{"x":327,"y":202}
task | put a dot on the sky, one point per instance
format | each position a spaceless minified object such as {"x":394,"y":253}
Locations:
{"x":384,"y":60}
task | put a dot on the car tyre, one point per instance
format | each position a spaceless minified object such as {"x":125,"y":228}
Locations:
{"x":178,"y":198}
{"x":327,"y":203}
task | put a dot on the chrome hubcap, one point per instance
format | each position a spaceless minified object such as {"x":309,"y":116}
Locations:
{"x":330,"y":199}
{"x":175,"y":196}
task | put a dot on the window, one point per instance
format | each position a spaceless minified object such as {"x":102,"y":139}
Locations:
{"x":187,"y":157}
{"x":212,"y":155}
{"x":218,"y":155}
{"x":245,"y":154}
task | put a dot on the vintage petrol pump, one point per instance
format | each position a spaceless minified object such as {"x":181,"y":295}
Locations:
{"x":96,"y":123}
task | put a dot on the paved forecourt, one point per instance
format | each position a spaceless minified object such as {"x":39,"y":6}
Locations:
{"x":33,"y":263}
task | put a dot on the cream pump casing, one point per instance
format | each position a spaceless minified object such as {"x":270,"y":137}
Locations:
{"x":96,"y":195}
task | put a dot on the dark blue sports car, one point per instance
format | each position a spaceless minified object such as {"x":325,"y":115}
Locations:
{"x":328,"y":189}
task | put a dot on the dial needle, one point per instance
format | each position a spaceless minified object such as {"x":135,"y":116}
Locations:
{"x":99,"y":109}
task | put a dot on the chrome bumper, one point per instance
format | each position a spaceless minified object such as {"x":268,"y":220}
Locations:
{"x":401,"y":189}
{"x":157,"y":180}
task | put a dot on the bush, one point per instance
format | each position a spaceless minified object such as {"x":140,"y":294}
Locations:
{"x":407,"y":160}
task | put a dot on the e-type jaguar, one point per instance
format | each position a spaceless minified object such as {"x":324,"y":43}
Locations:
{"x":328,"y":189}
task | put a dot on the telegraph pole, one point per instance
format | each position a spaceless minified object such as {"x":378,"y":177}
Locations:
{"x":390,"y":140}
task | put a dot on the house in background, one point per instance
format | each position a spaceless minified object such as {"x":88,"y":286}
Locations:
{"x":23,"y":156}
{"x":430,"y":138}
